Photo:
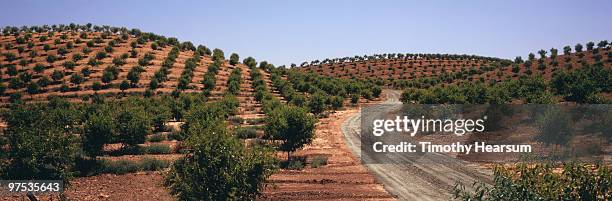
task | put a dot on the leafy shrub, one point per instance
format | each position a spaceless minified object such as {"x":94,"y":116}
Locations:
{"x":318,"y":161}
{"x":317,"y":103}
{"x":294,"y":163}
{"x":376,"y":91}
{"x":101,"y":55}
{"x":151,"y":164}
{"x":134,"y":74}
{"x":541,"y":182}
{"x":154,"y":46}
{"x":157,"y":138}
{"x":233,"y":82}
{"x":218,"y":167}
{"x":158,"y":149}
{"x":234,"y":59}
{"x":336,"y":102}
{"x":118,"y":167}
{"x":33,"y":88}
{"x":246,"y":132}
{"x":96,"y":86}
{"x":98,"y":131}
{"x":126,"y":166}
{"x":64,"y":88}
{"x":124,"y":85}
{"x":39,"y":68}
{"x":132,"y":126}
{"x":255,"y":121}
{"x":293,"y":125}
{"x":235,"y":120}
{"x":218,"y":55}
{"x":42,"y":143}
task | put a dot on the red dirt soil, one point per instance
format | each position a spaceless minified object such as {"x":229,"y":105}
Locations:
{"x":343,"y":178}
{"x":136,"y":186}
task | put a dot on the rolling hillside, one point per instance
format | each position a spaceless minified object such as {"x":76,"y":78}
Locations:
{"x":76,"y":64}
{"x":400,"y":69}
{"x":140,"y":102}
{"x":105,"y":104}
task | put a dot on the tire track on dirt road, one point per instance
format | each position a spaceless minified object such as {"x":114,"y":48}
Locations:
{"x":431,"y":178}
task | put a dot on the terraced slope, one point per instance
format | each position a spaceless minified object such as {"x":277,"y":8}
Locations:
{"x":398,"y":66}
{"x":423,"y":70}
{"x":76,"y":64}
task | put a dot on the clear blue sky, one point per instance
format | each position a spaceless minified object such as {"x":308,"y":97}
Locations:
{"x":284,"y":32}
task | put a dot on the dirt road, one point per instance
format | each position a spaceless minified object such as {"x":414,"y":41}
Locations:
{"x":431,"y":179}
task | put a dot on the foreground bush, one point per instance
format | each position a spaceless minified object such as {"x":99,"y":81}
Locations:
{"x":42,"y":143}
{"x":541,"y":182}
{"x":218,"y":167}
{"x":293,"y":125}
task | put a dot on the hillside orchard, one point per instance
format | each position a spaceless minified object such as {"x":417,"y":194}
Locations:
{"x":74,"y":97}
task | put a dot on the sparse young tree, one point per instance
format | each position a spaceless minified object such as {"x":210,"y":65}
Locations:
{"x":234,"y":59}
{"x":76,"y":79}
{"x":293,"y":125}
{"x":64,"y":88}
{"x":57,"y":75}
{"x":51,"y":59}
{"x":85,"y":71}
{"x":317,"y":103}
{"x":62,"y":51}
{"x":567,"y":50}
{"x":39,"y":68}
{"x":124,"y":85}
{"x":590,"y":46}
{"x":553,"y":53}
{"x":69,"y":65}
{"x":376,"y":91}
{"x":154,"y":46}
{"x":33,"y":88}
{"x":101,"y":55}
{"x":107,"y":77}
{"x":542,"y":54}
{"x":43,"y":81}
{"x":133,"y":125}
{"x":153,"y":84}
{"x":218,"y":55}
{"x":602,"y":44}
{"x":98,"y":131}
{"x":578,"y":47}
{"x":531,"y":56}
{"x":2,"y":88}
{"x":518,"y":60}
{"x":12,"y":70}
{"x":96,"y":86}
{"x":336,"y":102}
{"x":250,"y":62}
{"x":134,"y":74}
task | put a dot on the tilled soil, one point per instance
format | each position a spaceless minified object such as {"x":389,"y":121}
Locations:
{"x":343,"y":178}
{"x":136,"y":186}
